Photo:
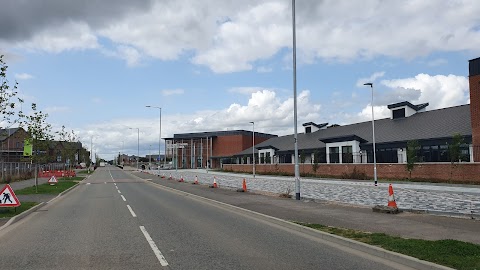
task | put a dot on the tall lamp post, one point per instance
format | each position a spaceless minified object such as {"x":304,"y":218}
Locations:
{"x":253,"y":147}
{"x":159,"y":135}
{"x":138,"y":145}
{"x":373,"y":133}
{"x":295,"y":136}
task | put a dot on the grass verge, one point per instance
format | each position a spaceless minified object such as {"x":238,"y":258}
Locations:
{"x":451,"y":253}
{"x":11,"y":211}
{"x":76,"y":178}
{"x":46,"y":188}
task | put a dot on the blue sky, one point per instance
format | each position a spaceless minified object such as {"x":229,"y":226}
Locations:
{"x":217,"y":65}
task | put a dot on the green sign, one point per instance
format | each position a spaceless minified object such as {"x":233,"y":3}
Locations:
{"x":27,"y":148}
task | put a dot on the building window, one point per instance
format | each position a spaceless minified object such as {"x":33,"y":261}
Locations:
{"x":347,"y":154}
{"x":308,"y":130}
{"x":399,"y":113}
{"x":334,"y":155}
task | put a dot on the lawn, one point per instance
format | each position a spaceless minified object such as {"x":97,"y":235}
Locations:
{"x":46,"y":188}
{"x":452,"y":253}
{"x":6,"y":212}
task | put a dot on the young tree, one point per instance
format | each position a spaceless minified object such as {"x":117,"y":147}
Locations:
{"x":455,"y":151}
{"x":412,"y":157}
{"x":39,"y":136}
{"x":315,"y":161}
{"x":68,"y":141}
{"x":8,"y":99}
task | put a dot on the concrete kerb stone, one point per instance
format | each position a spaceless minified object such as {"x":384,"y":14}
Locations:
{"x":20,"y":216}
{"x":358,"y":246}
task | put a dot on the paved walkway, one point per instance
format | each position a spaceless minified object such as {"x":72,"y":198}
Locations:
{"x":441,"y":198}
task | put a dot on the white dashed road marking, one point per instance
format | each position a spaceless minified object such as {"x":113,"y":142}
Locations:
{"x":131,"y":211}
{"x":123,"y":198}
{"x":154,"y":247}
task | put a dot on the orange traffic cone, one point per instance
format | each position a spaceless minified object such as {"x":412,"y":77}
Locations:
{"x":214,"y":183}
{"x":196,"y":181}
{"x":163,"y":175}
{"x":391,"y":197}
{"x":181,"y":179}
{"x":244,"y":185}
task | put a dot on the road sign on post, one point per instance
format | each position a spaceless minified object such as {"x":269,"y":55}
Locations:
{"x":53,"y":180}
{"x":8,"y":197}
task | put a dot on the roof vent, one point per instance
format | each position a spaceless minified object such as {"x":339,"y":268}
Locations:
{"x":405,"y":109}
{"x":311,"y":127}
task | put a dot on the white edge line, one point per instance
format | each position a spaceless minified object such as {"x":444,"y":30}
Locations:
{"x":123,"y":198}
{"x":131,"y":211}
{"x":154,"y":247}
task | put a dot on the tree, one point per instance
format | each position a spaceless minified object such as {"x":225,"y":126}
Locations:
{"x":39,"y":135}
{"x":68,"y":141}
{"x":7,"y":96}
{"x":454,"y":148}
{"x":412,"y":157}
{"x":315,"y":161}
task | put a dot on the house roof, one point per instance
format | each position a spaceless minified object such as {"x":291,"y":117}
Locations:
{"x":315,"y":125}
{"x":211,"y":134}
{"x":441,"y":123}
{"x":6,"y":132}
{"x":417,"y":107}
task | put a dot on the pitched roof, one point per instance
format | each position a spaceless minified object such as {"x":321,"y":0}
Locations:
{"x":441,"y":123}
{"x":6,"y":132}
{"x":417,"y":107}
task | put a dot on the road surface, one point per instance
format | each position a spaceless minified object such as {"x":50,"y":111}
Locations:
{"x":114,"y":220}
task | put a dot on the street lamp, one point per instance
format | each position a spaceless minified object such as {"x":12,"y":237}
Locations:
{"x":373,"y":133}
{"x":295,"y":136}
{"x":138,"y":145}
{"x":159,"y":135}
{"x":253,"y":147}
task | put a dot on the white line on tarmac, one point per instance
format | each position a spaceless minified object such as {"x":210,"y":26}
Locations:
{"x":89,"y":183}
{"x":154,"y":247}
{"x":115,"y":184}
{"x":119,"y":192}
{"x":123,"y":198}
{"x":131,"y":211}
{"x":116,"y":187}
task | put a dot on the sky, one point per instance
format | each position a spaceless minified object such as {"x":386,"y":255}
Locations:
{"x":213,"y":65}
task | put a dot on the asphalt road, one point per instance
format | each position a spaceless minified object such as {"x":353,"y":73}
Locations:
{"x":114,"y":220}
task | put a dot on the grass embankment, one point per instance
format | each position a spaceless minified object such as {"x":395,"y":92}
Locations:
{"x":11,"y":211}
{"x":75,"y":178}
{"x":452,"y":253}
{"x":46,"y":188}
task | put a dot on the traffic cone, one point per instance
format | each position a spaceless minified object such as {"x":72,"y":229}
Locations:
{"x":181,"y":179}
{"x":391,"y":197}
{"x":214,"y":183}
{"x":170,"y":176}
{"x":196,"y":181}
{"x":163,"y":175}
{"x":244,"y":186}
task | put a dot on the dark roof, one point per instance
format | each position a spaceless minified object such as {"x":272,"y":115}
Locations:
{"x":406,"y":103}
{"x":343,"y":139}
{"x":440,"y":124}
{"x":218,"y":133}
{"x":316,"y":125}
{"x":5,"y":132}
{"x":267,"y":147}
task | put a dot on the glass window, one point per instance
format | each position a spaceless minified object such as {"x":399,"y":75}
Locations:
{"x":334,"y":155}
{"x":399,"y":113}
{"x":347,"y":155}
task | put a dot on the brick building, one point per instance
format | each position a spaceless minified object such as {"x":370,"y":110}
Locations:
{"x":209,"y":149}
{"x":474,"y":81}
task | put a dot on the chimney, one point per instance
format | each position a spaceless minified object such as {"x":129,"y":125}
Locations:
{"x":474,"y":81}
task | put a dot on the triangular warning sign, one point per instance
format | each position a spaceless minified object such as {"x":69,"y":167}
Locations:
{"x":8,"y":197}
{"x":53,"y":180}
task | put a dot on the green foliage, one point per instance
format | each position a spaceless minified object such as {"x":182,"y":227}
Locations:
{"x":13,"y":211}
{"x":454,"y":148}
{"x":412,"y":157}
{"x":315,"y":161}
{"x":7,"y":96}
{"x":39,"y":133}
{"x":46,"y":188}
{"x":68,"y":145}
{"x":452,"y":253}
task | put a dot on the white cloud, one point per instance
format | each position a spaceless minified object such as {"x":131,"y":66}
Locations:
{"x":230,"y":36}
{"x":264,"y":69}
{"x":170,"y":92}
{"x":370,"y":79}
{"x":246,"y":90}
{"x":440,"y":91}
{"x":23,"y":76}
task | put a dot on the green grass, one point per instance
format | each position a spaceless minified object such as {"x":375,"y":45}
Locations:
{"x":76,"y":178}
{"x":83,"y":172}
{"x":11,"y":211}
{"x":46,"y":188}
{"x":452,"y":253}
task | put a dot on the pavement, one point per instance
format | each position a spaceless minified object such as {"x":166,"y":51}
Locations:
{"x":449,"y":199}
{"x":114,"y":220}
{"x":330,"y":213}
